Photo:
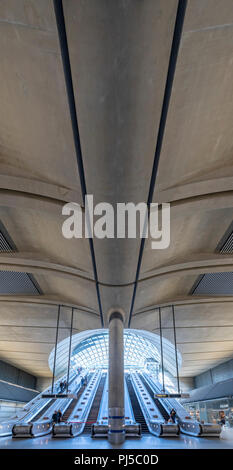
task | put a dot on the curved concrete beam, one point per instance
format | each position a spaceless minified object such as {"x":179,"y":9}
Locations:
{"x":206,"y":187}
{"x":201,"y":203}
{"x":24,"y":262}
{"x":211,"y":201}
{"x":44,"y":300}
{"x":25,"y":201}
{"x":187,"y":300}
{"x":39,"y":188}
{"x":204,"y":263}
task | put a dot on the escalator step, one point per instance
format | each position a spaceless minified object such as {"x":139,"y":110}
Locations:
{"x":93,"y":413}
{"x":157,"y":402}
{"x":138,"y":415}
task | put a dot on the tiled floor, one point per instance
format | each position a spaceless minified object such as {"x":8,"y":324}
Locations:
{"x":146,"y":442}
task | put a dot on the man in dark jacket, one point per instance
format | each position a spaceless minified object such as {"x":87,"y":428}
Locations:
{"x":59,"y":416}
{"x":173,"y":415}
{"x":55,"y":417}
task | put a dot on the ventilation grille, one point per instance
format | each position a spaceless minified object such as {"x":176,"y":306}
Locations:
{"x":228,"y":245}
{"x":217,"y":283}
{"x":15,"y":282}
{"x":4,"y":245}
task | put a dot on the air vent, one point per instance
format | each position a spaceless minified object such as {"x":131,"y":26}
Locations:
{"x":228,"y":245}
{"x":17,"y":283}
{"x":4,"y":245}
{"x":12,"y":282}
{"x":215,"y":284}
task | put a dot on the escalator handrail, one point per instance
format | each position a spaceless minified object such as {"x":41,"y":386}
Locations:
{"x":61,"y":403}
{"x":171,"y":403}
{"x":144,"y":408}
{"x":85,"y":411}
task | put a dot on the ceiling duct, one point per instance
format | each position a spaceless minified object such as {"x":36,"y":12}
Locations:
{"x":12,"y":282}
{"x":214,"y":284}
{"x":228,"y":245}
{"x":217,"y":283}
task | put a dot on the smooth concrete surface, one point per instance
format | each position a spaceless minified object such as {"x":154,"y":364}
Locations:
{"x":146,"y":442}
{"x":119,"y":54}
{"x":217,"y":374}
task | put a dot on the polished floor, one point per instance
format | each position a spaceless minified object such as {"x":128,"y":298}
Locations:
{"x":146,"y":442}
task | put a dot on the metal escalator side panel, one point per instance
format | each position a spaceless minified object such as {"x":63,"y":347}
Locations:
{"x":187,"y":426}
{"x":6,"y":428}
{"x":190,"y":428}
{"x":157,"y":402}
{"x":41,"y":428}
{"x":157,"y":426}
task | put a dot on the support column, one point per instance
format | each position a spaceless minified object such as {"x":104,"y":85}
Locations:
{"x":116,"y":411}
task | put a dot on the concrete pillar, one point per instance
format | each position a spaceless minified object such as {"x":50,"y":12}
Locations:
{"x":116,"y":411}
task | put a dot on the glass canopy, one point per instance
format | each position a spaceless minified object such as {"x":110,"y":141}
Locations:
{"x":89,"y":349}
{"x":93,"y":351}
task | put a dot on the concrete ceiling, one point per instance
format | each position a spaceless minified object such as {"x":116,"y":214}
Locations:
{"x":119,"y":56}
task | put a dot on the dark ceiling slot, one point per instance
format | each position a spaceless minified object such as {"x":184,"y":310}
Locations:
{"x":217,"y":283}
{"x":12,"y":282}
{"x":228,"y":245}
{"x":61,"y":28}
{"x":180,"y":15}
{"x":4,"y":246}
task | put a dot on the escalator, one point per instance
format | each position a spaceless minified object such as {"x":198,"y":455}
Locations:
{"x":93,"y":413}
{"x":74,"y":402}
{"x":41,"y":423}
{"x":70,"y":408}
{"x":157,"y":402}
{"x":139,"y":417}
{"x":187,"y":425}
{"x":44,"y":409}
{"x":51,"y":402}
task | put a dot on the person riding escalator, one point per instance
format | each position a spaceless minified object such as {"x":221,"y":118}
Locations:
{"x":172,"y":418}
{"x":55,"y":417}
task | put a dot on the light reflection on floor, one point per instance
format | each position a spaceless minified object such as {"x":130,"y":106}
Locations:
{"x":146,"y":442}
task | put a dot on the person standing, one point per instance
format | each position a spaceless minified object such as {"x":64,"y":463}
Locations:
{"x":55,"y":417}
{"x":222,"y":418}
{"x":173,"y":415}
{"x":59,"y":416}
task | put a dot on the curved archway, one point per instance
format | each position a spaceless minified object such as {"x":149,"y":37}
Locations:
{"x":90,"y":350}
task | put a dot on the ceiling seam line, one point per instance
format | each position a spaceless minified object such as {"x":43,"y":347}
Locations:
{"x":163,"y":118}
{"x":61,"y":28}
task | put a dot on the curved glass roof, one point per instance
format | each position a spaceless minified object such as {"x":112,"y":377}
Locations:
{"x":93,"y":351}
{"x":90,"y":349}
